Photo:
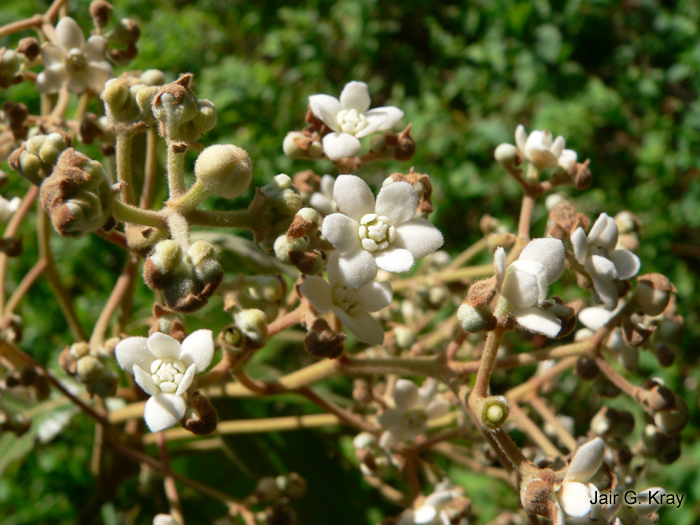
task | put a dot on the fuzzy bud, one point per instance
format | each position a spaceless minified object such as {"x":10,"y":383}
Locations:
{"x":292,"y":145}
{"x":224,"y":170}
{"x":404,"y":337}
{"x":36,"y":158}
{"x":152,"y":77}
{"x":508,"y":156}
{"x":476,"y":319}
{"x":182,"y":116}
{"x":652,"y":294}
{"x":267,"y":489}
{"x":609,"y":422}
{"x":11,"y":65}
{"x":283,"y":195}
{"x":253,"y":325}
{"x":203,"y":418}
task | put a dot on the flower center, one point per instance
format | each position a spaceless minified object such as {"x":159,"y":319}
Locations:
{"x":351,"y":121}
{"x":347,"y":299}
{"x":376,"y":232}
{"x":75,"y":61}
{"x":415,"y":419}
{"x":167,"y":374}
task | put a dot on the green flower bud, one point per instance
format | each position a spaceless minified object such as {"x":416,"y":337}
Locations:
{"x":315,"y":150}
{"x":35,"y":159}
{"x":224,"y":170}
{"x":405,"y":337}
{"x":253,"y":325}
{"x":11,"y":65}
{"x":283,"y":246}
{"x":152,"y":77}
{"x":89,"y":369}
{"x":475,"y":319}
{"x":126,"y":32}
{"x":291,"y":148}
{"x":283,"y":195}
{"x":182,"y":117}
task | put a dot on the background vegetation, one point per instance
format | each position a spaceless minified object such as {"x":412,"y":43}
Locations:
{"x":618,"y":78}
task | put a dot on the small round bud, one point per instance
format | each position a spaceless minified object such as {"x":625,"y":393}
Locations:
{"x":508,"y":156}
{"x":672,"y":421}
{"x":29,"y":47}
{"x":652,"y":294}
{"x":11,"y":64}
{"x":284,"y":246}
{"x":224,"y":170}
{"x":475,"y":319}
{"x":404,"y":337}
{"x":89,"y":369}
{"x":315,"y":150}
{"x":291,"y":148}
{"x":626,"y":222}
{"x":152,"y":77}
{"x":126,"y":32}
{"x":253,"y":324}
{"x":322,"y":341}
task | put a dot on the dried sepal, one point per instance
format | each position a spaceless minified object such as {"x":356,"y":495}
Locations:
{"x":206,"y":418}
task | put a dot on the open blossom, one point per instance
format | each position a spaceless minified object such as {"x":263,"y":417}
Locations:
{"x":645,"y":504}
{"x":574,"y":493}
{"x":433,"y":510}
{"x":349,"y":304}
{"x":539,"y":149}
{"x":78,"y":64}
{"x":350,"y":119}
{"x":603,"y":262}
{"x":165,"y":370}
{"x":525,"y":283}
{"x":8,"y":208}
{"x":381,"y":233}
{"x":414,"y":408}
{"x":322,"y":200}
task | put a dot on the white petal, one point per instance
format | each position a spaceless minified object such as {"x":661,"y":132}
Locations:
{"x":198,"y":348}
{"x":499,"y":266}
{"x":542,"y":157}
{"x":601,"y":267}
{"x":521,"y":138}
{"x":98,"y":73}
{"x":52,"y":55}
{"x":580,"y":244}
{"x":333,"y":269}
{"x":145,"y":381}
{"x":69,"y":34}
{"x":345,"y":318}
{"x":318,"y":292}
{"x":380,"y":119}
{"x":558,"y":146}
{"x":78,"y":82}
{"x":390,"y":418}
{"x":94,"y":48}
{"x":375,"y":296}
{"x":520,"y":288}
{"x":164,"y":519}
{"x":353,"y":196}
{"x":438,"y":408}
{"x":321,"y":203}
{"x":341,"y":231}
{"x":326,"y":185}
{"x":367,"y":329}
{"x":405,"y":394}
{"x":340,"y":145}
{"x":626,"y":263}
{"x":133,"y":351}
{"x":439,"y":499}
{"x":163,"y":411}
{"x":395,"y":260}
{"x":355,"y":95}
{"x":398,"y":201}
{"x":357,"y":268}
{"x":163,"y":346}
{"x":643,"y":507}
{"x":594,"y":317}
{"x":51,"y":79}
{"x":427,"y":392}
{"x":419,"y":237}
{"x":538,"y":321}
{"x":548,"y":251}
{"x":326,"y":108}
{"x":425,"y":515}
{"x":575,"y":499}
{"x":586,"y":461}
{"x":186,"y":380}
{"x":606,"y":290}
{"x":389,"y":439}
{"x":603,"y":232}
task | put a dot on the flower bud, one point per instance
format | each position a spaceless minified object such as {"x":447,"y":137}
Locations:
{"x":292,"y":149}
{"x":77,"y":196}
{"x":508,"y":156}
{"x":253,"y":325}
{"x":492,"y":411}
{"x":126,"y":32}
{"x":182,"y":117}
{"x":404,"y":337}
{"x":202,"y":418}
{"x":35,"y":159}
{"x":652,"y":294}
{"x":475,"y":319}
{"x":675,"y":420}
{"x":11,"y":65}
{"x":89,"y":369}
{"x":224,"y":170}
{"x":29,"y":47}
{"x":152,"y":77}
{"x":284,"y":246}
{"x":283,"y":195}
{"x":663,"y":447}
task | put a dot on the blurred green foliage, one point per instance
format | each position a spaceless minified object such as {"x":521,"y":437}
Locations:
{"x":618,"y":78}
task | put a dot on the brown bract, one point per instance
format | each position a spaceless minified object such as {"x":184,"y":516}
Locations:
{"x":565,"y":220}
{"x":425,"y":205}
{"x":322,"y":341}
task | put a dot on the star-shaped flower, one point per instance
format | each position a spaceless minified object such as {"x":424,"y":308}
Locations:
{"x":525,"y":283}
{"x":350,"y":119}
{"x":165,"y":369}
{"x":603,"y":262}
{"x":381,"y":233}
{"x":79,"y":64}
{"x":349,"y":304}
{"x":539,"y":149}
{"x":574,"y":494}
{"x":414,"y":408}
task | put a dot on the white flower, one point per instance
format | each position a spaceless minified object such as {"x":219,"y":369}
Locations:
{"x":431,"y":512}
{"x":525,"y":283}
{"x":349,"y":304}
{"x":8,"y":208}
{"x":414,"y":408}
{"x":566,"y":158}
{"x":322,"y":200}
{"x":74,"y":62}
{"x":539,"y":149}
{"x":574,"y":494}
{"x":382,"y":234}
{"x":596,"y":318}
{"x":602,"y":261}
{"x":350,"y":120}
{"x":165,"y":370}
